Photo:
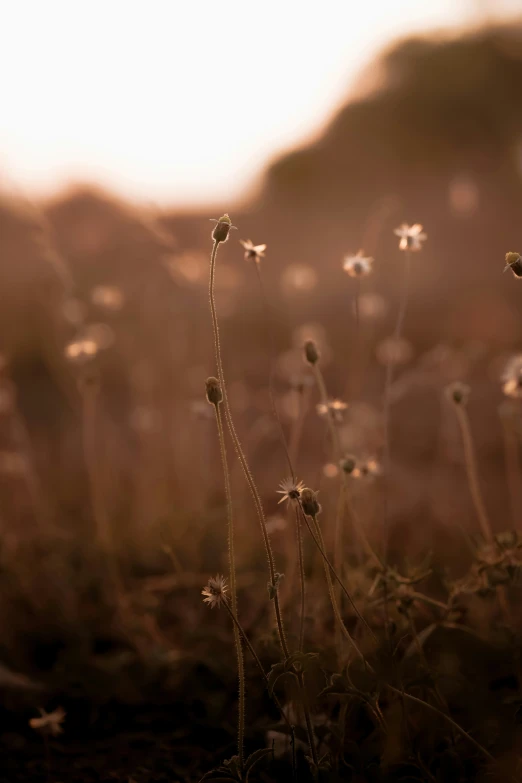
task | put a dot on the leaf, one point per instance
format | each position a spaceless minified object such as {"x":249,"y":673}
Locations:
{"x":277,"y":671}
{"x":303,"y":659}
{"x":421,"y":638}
{"x":253,"y":759}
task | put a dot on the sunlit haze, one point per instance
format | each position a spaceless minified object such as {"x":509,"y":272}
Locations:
{"x":183,"y":102}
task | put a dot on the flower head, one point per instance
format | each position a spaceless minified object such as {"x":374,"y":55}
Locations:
{"x":512,"y":377}
{"x":49,"y":722}
{"x":358,"y":265}
{"x":290,"y":489}
{"x":514,"y":262}
{"x":253,"y":252}
{"x":458,"y":393}
{"x":222,"y":228}
{"x":411,"y":237}
{"x":214,"y":393}
{"x":333,"y":408}
{"x":215,"y":591}
{"x":310,"y":351}
{"x":309,"y":502}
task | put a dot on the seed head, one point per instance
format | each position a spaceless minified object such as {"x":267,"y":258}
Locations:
{"x":253,"y":252}
{"x":222,"y":228}
{"x":458,"y":393}
{"x":309,"y":502}
{"x":514,"y":262}
{"x":311,"y":352}
{"x":214,"y":393}
{"x":411,"y":237}
{"x":215,"y":591}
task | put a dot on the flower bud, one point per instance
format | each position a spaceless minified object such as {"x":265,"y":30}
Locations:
{"x":311,"y":352}
{"x":214,"y":393}
{"x":222,"y":229}
{"x":309,"y":502}
{"x":514,"y":262}
{"x":348,"y":464}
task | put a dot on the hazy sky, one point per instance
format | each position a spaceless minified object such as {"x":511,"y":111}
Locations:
{"x":182,"y":101}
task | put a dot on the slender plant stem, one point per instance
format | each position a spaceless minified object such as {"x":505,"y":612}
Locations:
{"x":255,"y":656}
{"x":471,"y":469}
{"x":241,"y":456}
{"x":301,"y":576}
{"x":333,"y":599}
{"x":404,"y":694}
{"x":308,"y":720}
{"x":233,"y":586}
{"x":401,"y":315}
{"x":318,"y":541}
{"x":512,"y":459}
{"x":275,"y":412}
{"x":334,"y":435}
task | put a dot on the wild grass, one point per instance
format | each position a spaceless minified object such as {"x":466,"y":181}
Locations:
{"x":338,"y":648}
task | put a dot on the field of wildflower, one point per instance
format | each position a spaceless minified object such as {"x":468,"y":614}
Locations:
{"x":260,"y":476}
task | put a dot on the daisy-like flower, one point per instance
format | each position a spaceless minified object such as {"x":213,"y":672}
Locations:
{"x":290,"y":490}
{"x":253,"y":252}
{"x":411,"y":237}
{"x":358,"y":265}
{"x":512,"y":377}
{"x":334,"y":408}
{"x":49,"y":722}
{"x":215,"y":591}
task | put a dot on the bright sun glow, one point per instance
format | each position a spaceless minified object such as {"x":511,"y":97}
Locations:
{"x":181,"y":102}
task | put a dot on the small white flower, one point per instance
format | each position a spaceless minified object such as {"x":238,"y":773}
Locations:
{"x":49,"y":722}
{"x":358,"y":265}
{"x":411,"y":237}
{"x":290,"y":490}
{"x":512,"y":377}
{"x":334,"y":408}
{"x":215,"y":591}
{"x":253,"y":252}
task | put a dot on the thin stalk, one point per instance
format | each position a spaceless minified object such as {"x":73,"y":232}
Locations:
{"x":271,"y":395}
{"x":333,"y":600}
{"x":233,"y":586}
{"x":512,"y":460}
{"x":404,"y":694}
{"x":397,"y":333}
{"x":336,"y":441}
{"x":94,"y":468}
{"x":254,"y":655}
{"x":318,"y":541}
{"x":297,"y":426}
{"x":308,"y":720}
{"x":471,"y":469}
{"x":301,"y":576}
{"x":241,"y":456}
